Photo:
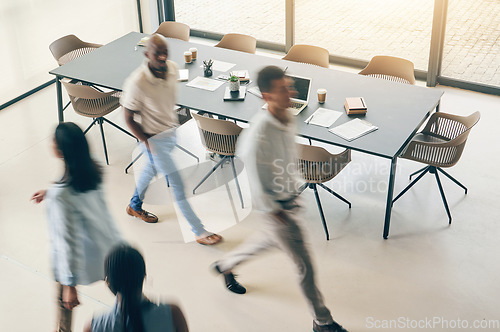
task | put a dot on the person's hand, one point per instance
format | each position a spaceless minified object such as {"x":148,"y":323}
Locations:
{"x":38,"y":196}
{"x":70,"y":297}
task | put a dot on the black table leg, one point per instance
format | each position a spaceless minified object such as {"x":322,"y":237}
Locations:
{"x":60,"y":109}
{"x":390,"y":193}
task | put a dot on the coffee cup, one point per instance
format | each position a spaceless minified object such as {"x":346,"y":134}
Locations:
{"x":194,"y":52}
{"x":321,"y":96}
{"x":188,"y":56}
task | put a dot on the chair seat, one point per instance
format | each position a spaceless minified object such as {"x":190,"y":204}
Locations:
{"x":428,"y":138}
{"x":95,"y":108}
{"x":70,"y":56}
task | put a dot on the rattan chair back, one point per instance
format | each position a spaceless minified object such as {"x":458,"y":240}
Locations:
{"x":390,"y":68}
{"x":313,"y":55}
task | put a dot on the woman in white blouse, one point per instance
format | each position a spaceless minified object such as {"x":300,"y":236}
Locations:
{"x":81,"y":229}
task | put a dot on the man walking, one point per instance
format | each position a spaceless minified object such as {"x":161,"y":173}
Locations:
{"x":150,"y":93}
{"x":268,"y":150}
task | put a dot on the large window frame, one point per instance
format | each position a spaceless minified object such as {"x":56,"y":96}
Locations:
{"x":432,"y":75}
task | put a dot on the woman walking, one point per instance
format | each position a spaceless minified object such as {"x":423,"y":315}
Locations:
{"x":81,"y":229}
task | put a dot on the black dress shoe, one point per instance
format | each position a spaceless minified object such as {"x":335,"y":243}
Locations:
{"x":333,"y":327}
{"x":231,"y":282}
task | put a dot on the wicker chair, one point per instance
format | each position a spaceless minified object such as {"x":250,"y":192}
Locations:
{"x":184,"y":116}
{"x":70,"y":47}
{"x":440,"y":144}
{"x":89,"y":102}
{"x":313,"y":55}
{"x":390,"y":68}
{"x":175,"y":30}
{"x":219,"y":136}
{"x":238,"y":42}
{"x":318,"y":166}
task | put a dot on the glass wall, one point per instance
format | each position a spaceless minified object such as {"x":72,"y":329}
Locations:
{"x":263,"y":19}
{"x":361,"y":29}
{"x":472,"y":44}
{"x":27,"y":27}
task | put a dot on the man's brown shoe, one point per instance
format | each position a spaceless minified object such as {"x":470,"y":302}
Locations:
{"x":143,"y":214}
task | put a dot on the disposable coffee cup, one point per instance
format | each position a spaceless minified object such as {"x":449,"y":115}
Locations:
{"x":188,"y":56}
{"x":321,"y":96}
{"x":194,"y":52}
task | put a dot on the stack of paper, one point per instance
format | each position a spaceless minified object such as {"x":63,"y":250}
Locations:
{"x":353,"y":129}
{"x":323,"y":117}
{"x":205,"y":83}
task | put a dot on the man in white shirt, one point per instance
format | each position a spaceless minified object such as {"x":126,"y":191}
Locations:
{"x":150,"y":93}
{"x":268,"y":150}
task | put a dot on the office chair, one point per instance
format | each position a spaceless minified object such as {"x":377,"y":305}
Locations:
{"x":219,"y":136}
{"x":238,"y":42}
{"x":440,"y":144}
{"x":175,"y":30}
{"x":313,"y":55}
{"x":68,"y":48}
{"x":390,"y":68}
{"x":184,"y":116}
{"x":317,"y":166}
{"x":89,"y":102}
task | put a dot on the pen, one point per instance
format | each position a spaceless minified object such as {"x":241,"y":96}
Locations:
{"x":312,"y":116}
{"x":284,"y":70}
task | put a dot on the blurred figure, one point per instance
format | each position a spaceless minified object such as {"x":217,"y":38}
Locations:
{"x":81,"y":229}
{"x":125,"y":271}
{"x":150,"y":92}
{"x":269,"y":152}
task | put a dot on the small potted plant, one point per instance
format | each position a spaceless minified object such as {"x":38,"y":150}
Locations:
{"x":234,"y":83}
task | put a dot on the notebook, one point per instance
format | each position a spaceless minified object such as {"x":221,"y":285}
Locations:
{"x":303,"y":86}
{"x":353,"y":129}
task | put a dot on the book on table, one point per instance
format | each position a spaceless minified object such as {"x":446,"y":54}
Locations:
{"x":243,"y":75}
{"x":238,"y":95}
{"x":355,"y":105}
{"x":353,"y":129}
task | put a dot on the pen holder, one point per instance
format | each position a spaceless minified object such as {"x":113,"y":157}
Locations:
{"x":207,"y":71}
{"x":207,"y":68}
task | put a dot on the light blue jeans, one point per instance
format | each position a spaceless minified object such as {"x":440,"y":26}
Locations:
{"x":161,"y":161}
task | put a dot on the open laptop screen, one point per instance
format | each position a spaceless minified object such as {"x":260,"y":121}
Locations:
{"x":302,"y":85}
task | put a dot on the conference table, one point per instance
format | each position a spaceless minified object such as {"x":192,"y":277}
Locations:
{"x":397,"y":109}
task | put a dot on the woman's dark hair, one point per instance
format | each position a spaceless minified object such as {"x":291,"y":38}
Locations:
{"x":125,"y":270}
{"x":81,"y":172}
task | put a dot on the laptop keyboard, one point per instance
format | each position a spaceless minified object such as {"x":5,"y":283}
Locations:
{"x":296,"y":104}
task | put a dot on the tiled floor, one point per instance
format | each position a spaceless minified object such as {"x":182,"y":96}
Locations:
{"x":425,"y":270}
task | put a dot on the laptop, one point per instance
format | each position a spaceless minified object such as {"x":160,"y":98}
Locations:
{"x":303,"y":87}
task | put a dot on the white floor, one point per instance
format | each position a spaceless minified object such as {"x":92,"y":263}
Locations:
{"x":425,"y":270}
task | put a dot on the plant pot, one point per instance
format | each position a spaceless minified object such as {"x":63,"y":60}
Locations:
{"x":234,"y":86}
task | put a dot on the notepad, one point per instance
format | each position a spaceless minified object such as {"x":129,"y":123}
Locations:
{"x":183,"y":75}
{"x":221,"y":65}
{"x":205,"y":83}
{"x":323,"y":117}
{"x":353,"y":129}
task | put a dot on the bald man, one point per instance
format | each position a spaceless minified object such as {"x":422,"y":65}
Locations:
{"x":149,"y":98}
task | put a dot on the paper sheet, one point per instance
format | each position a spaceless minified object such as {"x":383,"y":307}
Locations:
{"x":205,"y":83}
{"x":353,"y":129}
{"x":323,"y":117}
{"x":221,"y":65}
